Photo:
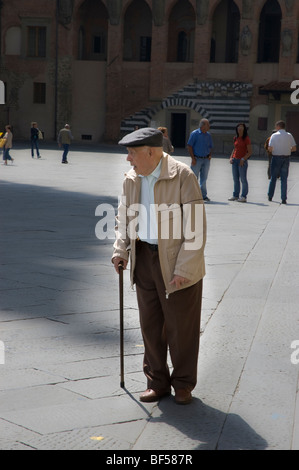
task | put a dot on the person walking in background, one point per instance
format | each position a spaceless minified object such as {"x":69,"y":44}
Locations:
{"x":8,"y":136}
{"x":281,"y":144}
{"x":64,"y":140}
{"x":167,"y":145}
{"x":34,"y":139}
{"x":239,"y":156}
{"x":266,"y":147}
{"x":199,"y":146}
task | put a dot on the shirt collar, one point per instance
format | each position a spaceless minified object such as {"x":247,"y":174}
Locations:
{"x":156,"y":173}
{"x":157,"y":170}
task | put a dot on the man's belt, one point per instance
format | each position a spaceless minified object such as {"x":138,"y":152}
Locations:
{"x":151,"y":246}
{"x":198,"y":156}
{"x":281,"y":156}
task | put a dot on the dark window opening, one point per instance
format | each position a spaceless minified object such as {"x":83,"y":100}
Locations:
{"x":36,"y":44}
{"x":99,"y":45}
{"x":262,"y":124}
{"x":178,"y":129}
{"x":39,"y":93}
{"x":182,"y":49}
{"x":145,"y":48}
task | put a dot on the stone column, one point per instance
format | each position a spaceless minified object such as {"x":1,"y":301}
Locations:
{"x":158,"y":61}
{"x":114,"y":79}
{"x":248,"y":45}
{"x":288,"y":48}
{"x":202,"y":39}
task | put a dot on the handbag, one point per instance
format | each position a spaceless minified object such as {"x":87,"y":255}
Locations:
{"x":40,"y":135}
{"x":2,"y":140}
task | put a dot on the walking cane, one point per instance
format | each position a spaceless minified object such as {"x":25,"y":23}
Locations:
{"x":121,"y":322}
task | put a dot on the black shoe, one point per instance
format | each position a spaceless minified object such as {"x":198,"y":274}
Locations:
{"x":65,"y":162}
{"x":269,"y":198}
{"x":283,"y":201}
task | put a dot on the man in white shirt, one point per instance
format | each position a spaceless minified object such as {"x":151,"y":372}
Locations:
{"x":281,"y":144}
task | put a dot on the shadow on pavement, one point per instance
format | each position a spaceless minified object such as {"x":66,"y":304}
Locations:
{"x":211,"y":428}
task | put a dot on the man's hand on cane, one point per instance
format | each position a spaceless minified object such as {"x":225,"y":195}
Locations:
{"x":117,"y":261}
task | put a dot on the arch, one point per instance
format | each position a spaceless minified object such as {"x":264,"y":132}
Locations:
{"x":182,"y":20}
{"x":225,"y":32}
{"x":92,"y":27}
{"x":269,"y":32}
{"x":137,"y":39}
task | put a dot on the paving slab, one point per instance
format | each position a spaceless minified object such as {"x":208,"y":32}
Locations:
{"x":59,"y":315}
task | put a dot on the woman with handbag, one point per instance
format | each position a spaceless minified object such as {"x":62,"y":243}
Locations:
{"x":8,"y":144}
{"x":35,"y":135}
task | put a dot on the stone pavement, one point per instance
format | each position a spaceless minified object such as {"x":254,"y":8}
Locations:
{"x":59,"y":317}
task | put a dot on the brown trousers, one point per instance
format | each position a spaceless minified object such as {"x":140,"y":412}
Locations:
{"x":172,"y":322}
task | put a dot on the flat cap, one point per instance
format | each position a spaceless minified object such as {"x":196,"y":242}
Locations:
{"x":145,"y":136}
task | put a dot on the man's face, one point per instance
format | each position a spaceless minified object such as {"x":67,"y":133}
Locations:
{"x":141,"y":160}
{"x":205,"y":127}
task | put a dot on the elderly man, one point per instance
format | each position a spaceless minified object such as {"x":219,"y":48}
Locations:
{"x":199,"y":146}
{"x":161,"y":222}
{"x":281,"y":145}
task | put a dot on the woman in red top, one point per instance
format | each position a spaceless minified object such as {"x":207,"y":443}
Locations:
{"x":238,"y":159}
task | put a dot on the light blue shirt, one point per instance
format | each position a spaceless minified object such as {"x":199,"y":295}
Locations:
{"x":147,"y":219}
{"x":201,"y":143}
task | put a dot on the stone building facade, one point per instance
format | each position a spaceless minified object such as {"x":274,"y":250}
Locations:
{"x":105,"y":66}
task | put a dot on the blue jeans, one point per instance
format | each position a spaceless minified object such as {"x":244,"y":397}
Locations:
{"x":201,"y":170}
{"x":6,"y":155}
{"x":279,"y":166}
{"x":240,"y":173}
{"x":65,"y":152}
{"x":34,"y":144}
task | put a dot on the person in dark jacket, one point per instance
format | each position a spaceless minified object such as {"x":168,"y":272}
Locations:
{"x":34,"y":139}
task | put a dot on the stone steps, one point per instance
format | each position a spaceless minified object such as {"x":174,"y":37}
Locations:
{"x":224,"y":104}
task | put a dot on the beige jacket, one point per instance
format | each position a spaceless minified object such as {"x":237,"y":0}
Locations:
{"x":8,"y":136}
{"x":65,"y":136}
{"x":180,"y":210}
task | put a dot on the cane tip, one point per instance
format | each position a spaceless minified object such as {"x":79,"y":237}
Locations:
{"x":122,"y":384}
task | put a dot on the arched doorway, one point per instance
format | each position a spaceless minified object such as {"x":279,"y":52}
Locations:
{"x":269,"y":32}
{"x":178,"y":129}
{"x":137,"y":32}
{"x":181,"y":32}
{"x":225,"y":33}
{"x":92,"y":20}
